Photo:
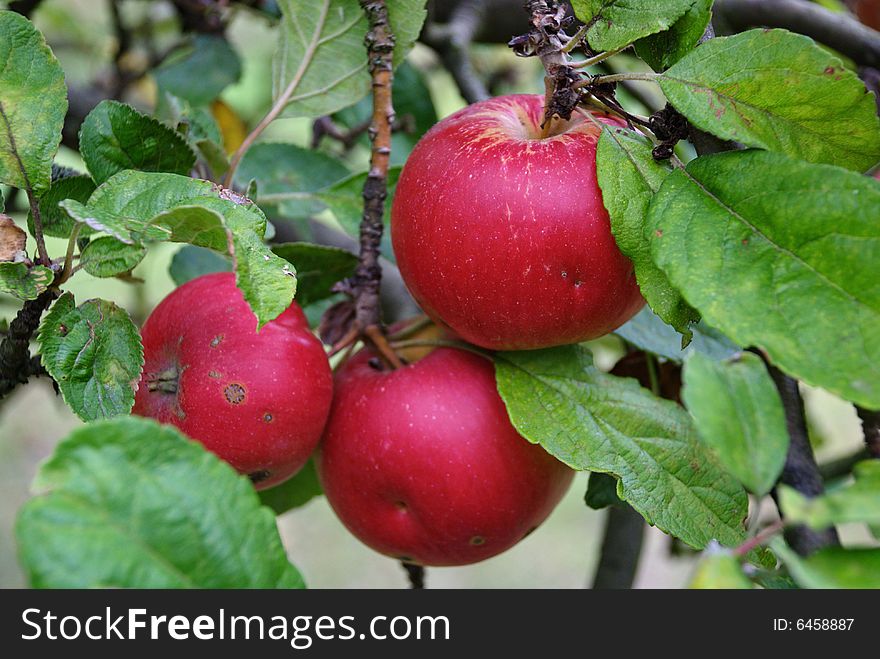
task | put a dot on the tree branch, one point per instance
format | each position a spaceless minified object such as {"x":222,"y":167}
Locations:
{"x":205,"y":16}
{"x":363,"y":286}
{"x":452,"y":42}
{"x":123,"y":45}
{"x":621,"y":547}
{"x":800,"y":471}
{"x":16,"y":365}
{"x":836,"y":30}
{"x":871,"y":428}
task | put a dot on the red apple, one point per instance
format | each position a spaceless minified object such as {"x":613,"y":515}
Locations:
{"x":423,"y":464}
{"x":502,"y":236}
{"x":259,"y":400}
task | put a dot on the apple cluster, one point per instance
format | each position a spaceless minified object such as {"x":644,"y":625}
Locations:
{"x":501,"y":236}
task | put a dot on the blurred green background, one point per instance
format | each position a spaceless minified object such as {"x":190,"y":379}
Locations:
{"x":561,"y":554}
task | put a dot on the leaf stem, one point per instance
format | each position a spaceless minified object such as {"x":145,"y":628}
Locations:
{"x":38,"y":228}
{"x":760,"y":538}
{"x":619,"y":77}
{"x":576,"y":39}
{"x":68,"y":257}
{"x":440,"y":343}
{"x":596,"y":59}
{"x":281,"y":101}
{"x":413,"y":328}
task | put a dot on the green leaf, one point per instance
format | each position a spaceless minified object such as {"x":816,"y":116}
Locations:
{"x":629,"y":177}
{"x":616,"y":23}
{"x":115,"y":137}
{"x":33,"y":102}
{"x":780,"y":254}
{"x":833,"y":567}
{"x":322,"y":56}
{"x":134,"y":504}
{"x":781,"y":92}
{"x":190,"y":262}
{"x":94,"y":353}
{"x":664,"y":49}
{"x":107,"y":257}
{"x":739,"y":415}
{"x":594,"y":421}
{"x":719,"y":570}
{"x":135,"y":207}
{"x":647,"y":331}
{"x":772,"y":580}
{"x":198,"y":127}
{"x":25,"y":283}
{"x":199,"y":73}
{"x":294,"y":492}
{"x":345,"y":199}
{"x":858,"y":502}
{"x":56,"y":222}
{"x":318,"y":267}
{"x":288,"y":176}
{"x":601,"y":491}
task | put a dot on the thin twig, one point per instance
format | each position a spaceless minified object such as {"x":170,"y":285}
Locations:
{"x":452,"y":42}
{"x":123,"y":44}
{"x":837,"y":30}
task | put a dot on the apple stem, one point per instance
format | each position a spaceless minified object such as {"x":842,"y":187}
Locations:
{"x":416,"y":574}
{"x":440,"y":343}
{"x":420,"y":323}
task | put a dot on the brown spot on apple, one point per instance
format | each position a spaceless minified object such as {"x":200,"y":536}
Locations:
{"x":259,"y":476}
{"x":235,"y":393}
{"x":268,"y":418}
{"x":478,"y":540}
{"x":216,"y":340}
